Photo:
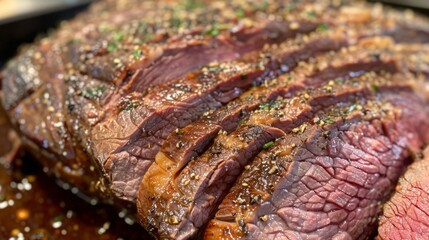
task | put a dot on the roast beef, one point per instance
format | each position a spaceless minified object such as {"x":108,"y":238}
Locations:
{"x":325,"y":180}
{"x":175,"y":107}
{"x":217,"y":171}
{"x":194,"y":138}
{"x":134,"y":147}
{"x":405,"y":215}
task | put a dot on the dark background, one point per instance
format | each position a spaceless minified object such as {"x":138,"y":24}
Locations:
{"x":23,"y":24}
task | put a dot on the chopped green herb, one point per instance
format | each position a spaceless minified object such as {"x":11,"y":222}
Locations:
{"x":148,"y":36}
{"x":261,"y":6}
{"x":351,"y":108}
{"x":264,"y":106}
{"x":242,"y":122}
{"x":243,"y":76}
{"x":339,"y":80}
{"x":143,"y":27}
{"x":311,"y":14}
{"x":328,"y":121}
{"x":94,"y":93}
{"x":126,"y":104}
{"x":74,"y":41}
{"x":222,"y":26}
{"x":240,"y":13}
{"x":212,"y":32}
{"x":268,"y":144}
{"x":111,"y":47}
{"x":290,"y":6}
{"x":192,"y":4}
{"x":104,"y":27}
{"x":137,"y":53}
{"x":129,"y":106}
{"x":264,"y":5}
{"x":118,"y":36}
{"x":216,"y":28}
{"x":322,"y":27}
{"x":269,"y":106}
{"x":374,"y":88}
{"x":176,"y":22}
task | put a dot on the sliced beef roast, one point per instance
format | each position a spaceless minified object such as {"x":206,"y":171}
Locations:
{"x":206,"y":90}
{"x":106,"y":67}
{"x":139,"y":151}
{"x":406,"y":214}
{"x":190,"y":201}
{"x":327,"y":179}
{"x":175,"y":103}
{"x":195,"y":137}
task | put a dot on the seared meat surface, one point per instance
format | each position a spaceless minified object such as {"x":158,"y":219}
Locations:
{"x":230,"y":119}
